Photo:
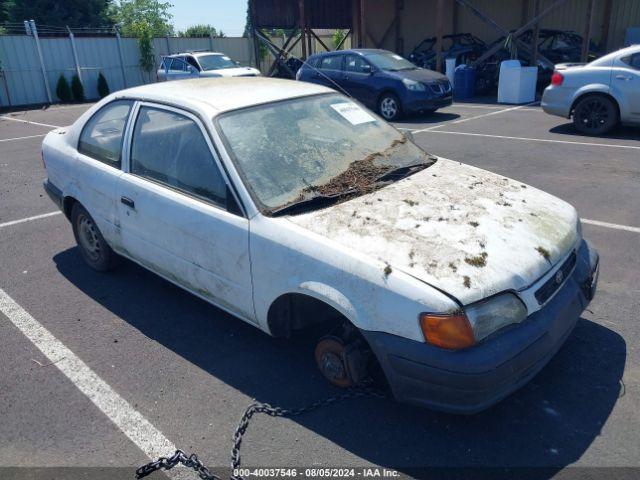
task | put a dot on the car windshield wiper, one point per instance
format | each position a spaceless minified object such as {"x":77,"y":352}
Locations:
{"x":402,"y":172}
{"x":309,"y":203}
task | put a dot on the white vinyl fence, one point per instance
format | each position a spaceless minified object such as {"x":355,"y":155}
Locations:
{"x":22,"y":81}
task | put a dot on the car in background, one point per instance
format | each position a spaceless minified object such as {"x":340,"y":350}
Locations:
{"x":380,"y":79}
{"x":464,"y":47}
{"x":598,"y":95}
{"x":202,"y":64}
{"x":297,"y":210}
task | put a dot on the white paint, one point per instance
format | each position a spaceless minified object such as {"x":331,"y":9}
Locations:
{"x":463,"y":120}
{"x":29,"y":219}
{"x":6,"y":117}
{"x":131,"y":422}
{"x":615,"y":226}
{"x":526,"y":139}
{"x":22,"y":138}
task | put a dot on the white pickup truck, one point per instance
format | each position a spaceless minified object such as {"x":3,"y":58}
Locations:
{"x":292,"y":206}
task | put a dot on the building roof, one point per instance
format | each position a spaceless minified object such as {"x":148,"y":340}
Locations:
{"x":222,"y":94}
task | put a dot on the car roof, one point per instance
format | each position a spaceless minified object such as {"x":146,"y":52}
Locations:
{"x":217,"y":95}
{"x":361,"y":51}
{"x":194,"y":53}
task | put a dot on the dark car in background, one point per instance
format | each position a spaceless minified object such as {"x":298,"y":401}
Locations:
{"x":381,"y":80}
{"x":464,"y":47}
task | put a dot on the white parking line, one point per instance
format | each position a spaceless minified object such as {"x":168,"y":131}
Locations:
{"x":6,"y":117}
{"x":28,"y":219}
{"x":615,"y":226}
{"x":545,"y":140}
{"x":22,"y":138}
{"x":131,"y":422}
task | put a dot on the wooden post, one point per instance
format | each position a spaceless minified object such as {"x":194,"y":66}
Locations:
{"x":606,"y":25}
{"x":587,"y":31}
{"x":362,"y":40}
{"x":303,"y":28}
{"x":536,"y":35}
{"x":399,"y":46}
{"x":256,"y":42}
{"x":439,"y":29}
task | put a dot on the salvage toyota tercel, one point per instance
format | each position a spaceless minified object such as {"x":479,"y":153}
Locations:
{"x":296,"y":209}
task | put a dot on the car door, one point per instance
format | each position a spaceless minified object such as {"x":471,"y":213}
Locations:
{"x":97,"y":165}
{"x":329,"y":72}
{"x":625,"y":83}
{"x":358,"y":79}
{"x":178,"y":69}
{"x":178,"y":215}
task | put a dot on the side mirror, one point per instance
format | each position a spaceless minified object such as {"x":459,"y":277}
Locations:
{"x":367,"y":69}
{"x":192,"y":70}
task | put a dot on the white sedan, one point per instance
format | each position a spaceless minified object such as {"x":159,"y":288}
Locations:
{"x":292,"y":206}
{"x":598,"y":95}
{"x":202,"y":64}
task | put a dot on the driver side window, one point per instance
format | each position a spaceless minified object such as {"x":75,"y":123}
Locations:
{"x":357,"y":64}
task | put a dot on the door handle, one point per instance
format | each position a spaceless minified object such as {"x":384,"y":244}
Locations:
{"x":128,"y":202}
{"x":624,"y":77}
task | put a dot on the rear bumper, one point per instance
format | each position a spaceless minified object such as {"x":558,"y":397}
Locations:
{"x":557,"y":101}
{"x":55,"y":194}
{"x":472,"y":380}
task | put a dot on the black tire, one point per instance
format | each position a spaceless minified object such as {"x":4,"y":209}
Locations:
{"x":92,"y":245}
{"x":595,"y":115}
{"x":389,"y":107}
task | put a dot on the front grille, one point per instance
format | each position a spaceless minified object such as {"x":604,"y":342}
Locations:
{"x":546,"y":291}
{"x":440,"y":88}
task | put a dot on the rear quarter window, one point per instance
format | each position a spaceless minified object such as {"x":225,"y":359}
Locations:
{"x":101,"y":137}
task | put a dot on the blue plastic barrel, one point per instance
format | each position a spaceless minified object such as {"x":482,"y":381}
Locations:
{"x":464,"y":82}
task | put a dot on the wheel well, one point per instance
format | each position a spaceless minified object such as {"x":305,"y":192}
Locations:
{"x":67,"y":206}
{"x":295,"y":311}
{"x":384,"y":92}
{"x":595,"y":94}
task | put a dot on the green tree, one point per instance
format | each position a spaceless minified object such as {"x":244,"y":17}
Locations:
{"x":103,"y":86}
{"x":75,"y":13}
{"x":62,"y":90}
{"x":138,"y":16}
{"x":338,"y":35}
{"x":77,"y":90}
{"x":5,"y":10}
{"x":200,"y":30}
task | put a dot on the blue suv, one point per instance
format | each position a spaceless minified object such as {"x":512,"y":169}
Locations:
{"x":380,"y":79}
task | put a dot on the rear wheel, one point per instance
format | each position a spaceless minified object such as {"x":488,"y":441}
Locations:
{"x":93,"y":247}
{"x":595,"y":115}
{"x":389,"y":107}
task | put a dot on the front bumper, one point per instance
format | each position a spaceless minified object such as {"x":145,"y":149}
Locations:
{"x":414,"y":102}
{"x":471,"y":380}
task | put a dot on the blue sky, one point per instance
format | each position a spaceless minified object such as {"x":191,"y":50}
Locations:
{"x":226,"y":15}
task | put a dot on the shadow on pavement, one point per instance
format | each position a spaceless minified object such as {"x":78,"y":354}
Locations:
{"x":621,"y":132}
{"x":435,"y":117}
{"x":548,"y":423}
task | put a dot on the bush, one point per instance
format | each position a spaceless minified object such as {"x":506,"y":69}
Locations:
{"x":62,"y":90}
{"x":77,"y":89}
{"x":103,"y":86}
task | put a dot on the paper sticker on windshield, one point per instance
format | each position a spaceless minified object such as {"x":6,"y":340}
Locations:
{"x":353,"y":113}
{"x":397,"y":57}
{"x":225,"y":58}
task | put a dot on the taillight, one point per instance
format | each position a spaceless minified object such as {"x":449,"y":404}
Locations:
{"x":557,"y":78}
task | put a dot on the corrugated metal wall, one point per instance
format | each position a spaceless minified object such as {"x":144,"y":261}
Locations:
{"x":23,"y":75}
{"x":418,"y":19}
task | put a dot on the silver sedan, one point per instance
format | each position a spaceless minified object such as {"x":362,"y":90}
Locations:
{"x":598,"y":95}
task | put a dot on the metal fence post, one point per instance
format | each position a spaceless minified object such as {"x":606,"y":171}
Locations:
{"x":168,"y":45}
{"x":124,"y":76}
{"x":75,"y":54}
{"x":34,"y":32}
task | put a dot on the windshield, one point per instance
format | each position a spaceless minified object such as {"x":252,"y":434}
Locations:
{"x":320,"y":145}
{"x":390,"y":61}
{"x":215,"y":62}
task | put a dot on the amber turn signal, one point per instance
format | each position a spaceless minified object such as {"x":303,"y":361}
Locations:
{"x":451,"y":331}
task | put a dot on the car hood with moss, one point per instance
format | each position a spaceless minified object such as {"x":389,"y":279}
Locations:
{"x":461,"y":229}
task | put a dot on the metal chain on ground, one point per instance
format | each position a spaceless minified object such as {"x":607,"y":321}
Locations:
{"x":192,"y":461}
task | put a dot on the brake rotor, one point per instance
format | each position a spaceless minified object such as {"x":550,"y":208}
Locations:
{"x":331,"y":358}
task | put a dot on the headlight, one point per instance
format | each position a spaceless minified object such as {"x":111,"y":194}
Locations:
{"x":479,"y":320}
{"x":488,"y":316}
{"x":413,"y":85}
